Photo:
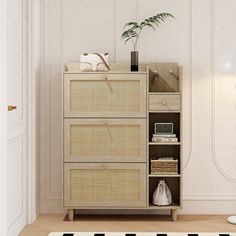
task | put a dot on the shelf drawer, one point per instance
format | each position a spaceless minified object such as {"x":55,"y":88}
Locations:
{"x":105,"y":95}
{"x":104,"y":185}
{"x":159,"y":102}
{"x":105,"y":140}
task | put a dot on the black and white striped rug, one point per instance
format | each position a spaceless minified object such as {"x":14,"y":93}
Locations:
{"x":137,"y":234}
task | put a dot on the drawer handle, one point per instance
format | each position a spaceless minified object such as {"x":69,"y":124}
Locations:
{"x":108,"y":84}
{"x":108,"y":129}
{"x":163,"y":102}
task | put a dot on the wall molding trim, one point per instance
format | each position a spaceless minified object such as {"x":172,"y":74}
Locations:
{"x":221,"y":170}
{"x":209,"y":197}
{"x":192,"y":78}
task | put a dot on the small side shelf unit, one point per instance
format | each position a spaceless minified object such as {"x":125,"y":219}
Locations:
{"x":164,"y":106}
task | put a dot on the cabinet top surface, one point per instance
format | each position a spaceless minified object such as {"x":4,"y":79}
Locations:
{"x":119,"y":68}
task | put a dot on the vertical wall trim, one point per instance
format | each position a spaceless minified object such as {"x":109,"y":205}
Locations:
{"x":49,"y":112}
{"x":115,"y":41}
{"x":138,"y":19}
{"x":33,"y":8}
{"x":137,"y":10}
{"x":192,"y":79}
{"x":55,"y":195}
{"x":42,"y":96}
{"x":62,"y":33}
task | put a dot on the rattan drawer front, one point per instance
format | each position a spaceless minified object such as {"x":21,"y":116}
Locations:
{"x":105,"y":140}
{"x":105,"y":95}
{"x":104,"y":185}
{"x":164,"y":102}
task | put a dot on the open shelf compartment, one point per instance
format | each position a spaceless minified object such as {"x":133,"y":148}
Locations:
{"x":156,"y":151}
{"x":174,"y":185}
{"x":164,"y":118}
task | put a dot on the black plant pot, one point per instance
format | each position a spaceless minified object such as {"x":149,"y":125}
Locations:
{"x":134,"y":61}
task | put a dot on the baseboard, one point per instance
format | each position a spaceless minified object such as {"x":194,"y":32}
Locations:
{"x":203,"y":207}
{"x":17,"y":228}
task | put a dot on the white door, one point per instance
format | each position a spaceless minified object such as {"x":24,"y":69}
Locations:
{"x":16,"y":75}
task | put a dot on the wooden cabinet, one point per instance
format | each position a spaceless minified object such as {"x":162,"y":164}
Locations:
{"x":108,"y":123}
{"x":164,"y":106}
{"x":105,"y":185}
{"x":105,"y":141}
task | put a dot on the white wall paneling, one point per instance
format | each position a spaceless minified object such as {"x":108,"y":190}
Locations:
{"x":51,"y":106}
{"x":201,"y":39}
{"x":33,"y":58}
{"x":224,"y":89}
{"x":16,"y":188}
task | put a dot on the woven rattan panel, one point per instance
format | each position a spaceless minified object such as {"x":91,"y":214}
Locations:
{"x":105,"y":140}
{"x":105,"y":96}
{"x":104,"y":185}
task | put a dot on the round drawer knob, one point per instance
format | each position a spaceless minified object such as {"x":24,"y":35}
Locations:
{"x":163,"y":102}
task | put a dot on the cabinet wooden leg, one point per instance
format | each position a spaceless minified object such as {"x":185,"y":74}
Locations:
{"x":71,"y":214}
{"x":174,"y":214}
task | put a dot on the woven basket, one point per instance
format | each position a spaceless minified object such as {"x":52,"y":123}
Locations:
{"x":166,"y":167}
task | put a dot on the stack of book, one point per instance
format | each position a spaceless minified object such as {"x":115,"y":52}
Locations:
{"x":164,"y":138}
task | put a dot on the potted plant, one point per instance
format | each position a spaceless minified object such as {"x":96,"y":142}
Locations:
{"x":134,"y":30}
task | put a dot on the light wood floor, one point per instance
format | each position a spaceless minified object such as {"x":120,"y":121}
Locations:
{"x":186,"y":223}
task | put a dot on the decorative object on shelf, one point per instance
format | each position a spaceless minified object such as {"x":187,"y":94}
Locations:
{"x":134,"y":30}
{"x":94,"y":62}
{"x":164,"y":140}
{"x":134,"y":61}
{"x":163,"y":128}
{"x":164,"y":133}
{"x":164,"y":166}
{"x":162,"y":195}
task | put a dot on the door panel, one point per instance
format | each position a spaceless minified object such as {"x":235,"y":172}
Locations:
{"x":105,"y":140}
{"x":16,"y":163}
{"x":16,"y":176}
{"x":105,"y":184}
{"x":105,"y":95}
{"x":15,"y":58}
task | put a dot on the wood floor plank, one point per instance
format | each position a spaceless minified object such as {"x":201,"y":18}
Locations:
{"x":102,"y":223}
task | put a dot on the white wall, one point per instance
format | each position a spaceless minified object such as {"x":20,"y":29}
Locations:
{"x":201,"y":39}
